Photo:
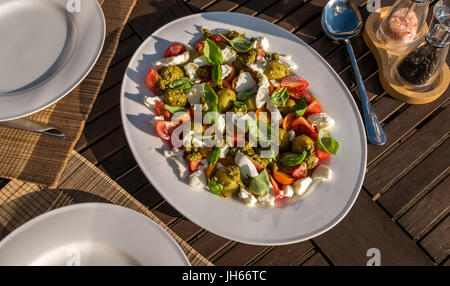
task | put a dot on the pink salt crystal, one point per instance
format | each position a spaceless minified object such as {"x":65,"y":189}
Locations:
{"x":402,"y":26}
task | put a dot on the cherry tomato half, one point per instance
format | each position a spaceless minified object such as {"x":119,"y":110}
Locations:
{"x":152,"y":81}
{"x":313,"y":107}
{"x":193,"y":165}
{"x":165,"y":128}
{"x":300,"y":171}
{"x":174,"y":50}
{"x":199,"y":46}
{"x":294,"y":81}
{"x":322,"y":154}
{"x":160,"y":110}
{"x":301,"y":126}
{"x":217,"y":38}
{"x":297,"y":94}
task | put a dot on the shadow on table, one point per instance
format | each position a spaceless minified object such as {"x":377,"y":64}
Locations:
{"x":15,"y":212}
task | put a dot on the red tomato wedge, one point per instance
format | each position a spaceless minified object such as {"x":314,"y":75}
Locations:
{"x":174,"y":50}
{"x":301,"y":126}
{"x":165,"y":128}
{"x":160,"y":110}
{"x":322,"y":154}
{"x":294,"y":81}
{"x":297,"y":94}
{"x":153,"y":80}
{"x":217,"y":38}
{"x":313,"y":107}
{"x":276,"y":188}
{"x":300,"y":172}
{"x":193,"y":165}
{"x":286,"y":123}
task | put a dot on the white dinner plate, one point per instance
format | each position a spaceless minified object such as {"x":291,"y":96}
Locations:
{"x":91,"y":234}
{"x":47,"y":48}
{"x":291,"y":220}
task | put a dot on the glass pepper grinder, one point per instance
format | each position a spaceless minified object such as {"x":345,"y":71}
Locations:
{"x":403,"y":23}
{"x":422,"y":63}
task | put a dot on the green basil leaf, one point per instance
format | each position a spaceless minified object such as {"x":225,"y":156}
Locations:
{"x":294,"y":159}
{"x":210,"y":95}
{"x":174,"y":109}
{"x":260,"y":184}
{"x":212,"y":53}
{"x":247,"y":94}
{"x":327,"y":143}
{"x":239,"y":44}
{"x":215,"y":188}
{"x":212,"y":155}
{"x":181,"y":83}
{"x":300,"y":107}
{"x":217,"y":74}
{"x":240,"y":105}
{"x":280,"y":96}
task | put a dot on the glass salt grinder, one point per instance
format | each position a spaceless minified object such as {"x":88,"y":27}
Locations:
{"x":420,"y":66}
{"x":404,"y":21}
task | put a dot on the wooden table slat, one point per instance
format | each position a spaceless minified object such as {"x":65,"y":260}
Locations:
{"x":379,"y":178}
{"x":368,"y":226}
{"x":404,"y":123}
{"x":417,"y":182}
{"x":126,"y":48}
{"x":253,"y":7}
{"x":225,"y":5}
{"x":109,"y":144}
{"x":209,"y":244}
{"x":311,"y":9}
{"x":316,"y":260}
{"x":148,"y":196}
{"x":240,"y":254}
{"x":286,"y":255}
{"x":279,"y":10}
{"x":437,"y":243}
{"x":186,"y":229}
{"x":428,"y":211}
{"x":133,"y":180}
{"x":198,"y":5}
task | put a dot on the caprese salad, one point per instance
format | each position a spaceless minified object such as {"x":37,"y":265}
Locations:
{"x":225,"y":73}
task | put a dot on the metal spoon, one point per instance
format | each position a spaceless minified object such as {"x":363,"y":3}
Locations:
{"x":341,"y":20}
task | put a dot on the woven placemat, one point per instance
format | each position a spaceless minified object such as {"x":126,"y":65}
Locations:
{"x":80,"y":182}
{"x":40,"y":159}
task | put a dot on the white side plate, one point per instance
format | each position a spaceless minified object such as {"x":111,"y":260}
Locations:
{"x":46,"y":50}
{"x":91,"y":234}
{"x":290,"y":221}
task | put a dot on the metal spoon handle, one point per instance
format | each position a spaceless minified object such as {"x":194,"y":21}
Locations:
{"x":375,"y":133}
{"x":32,"y":126}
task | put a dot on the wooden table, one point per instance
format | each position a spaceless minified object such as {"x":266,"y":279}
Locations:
{"x":403,"y":207}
